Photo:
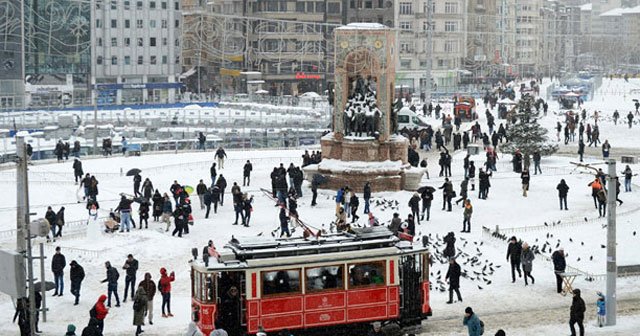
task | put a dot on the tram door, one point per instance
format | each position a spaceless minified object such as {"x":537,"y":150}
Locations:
{"x":411,"y":289}
{"x":232,"y":302}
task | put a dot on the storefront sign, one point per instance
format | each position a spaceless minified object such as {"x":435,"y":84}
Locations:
{"x":302,"y":75}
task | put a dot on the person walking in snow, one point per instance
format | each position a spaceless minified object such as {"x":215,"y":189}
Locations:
{"x":137,"y":179}
{"x":164,"y":286}
{"x":76,"y":274}
{"x":284,"y":222}
{"x":201,"y":189}
{"x":215,"y":198}
{"x":77,"y":170}
{"x":559,"y":265}
{"x":630,"y":119}
{"x":525,"y":177}
{"x":427,"y":198}
{"x":447,"y":194}
{"x":97,"y":314}
{"x":58,"y":263}
{"x":131,"y":268}
{"x":150,"y":289}
{"x":366,"y":195}
{"x":220,"y":156}
{"x":139,"y":309}
{"x":514,"y":252}
{"x":527,"y":263}
{"x":468,"y":211}
{"x":453,"y":276}
{"x":471,"y":320}
{"x":213,"y":173}
{"x":112,"y":283}
{"x":606,"y":148}
{"x":601,"y":309}
{"x":563,"y":190}
{"x":222,"y":185}
{"x":628,"y":174}
{"x":576,"y":314}
{"x":246,"y":173}
{"x":414,"y":205}
{"x":59,"y":221}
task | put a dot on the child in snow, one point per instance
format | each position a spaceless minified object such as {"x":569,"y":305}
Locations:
{"x":602,"y":310}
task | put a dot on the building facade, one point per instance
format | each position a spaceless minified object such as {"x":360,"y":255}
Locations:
{"x":482,"y":55}
{"x":135,"y":51}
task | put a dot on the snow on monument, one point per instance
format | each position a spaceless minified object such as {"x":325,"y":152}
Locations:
{"x":364,"y":144}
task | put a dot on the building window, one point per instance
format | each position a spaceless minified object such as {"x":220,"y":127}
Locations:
{"x":451,"y":46}
{"x":98,"y":23}
{"x":127,"y":41}
{"x":99,"y":41}
{"x":127,"y":60}
{"x":164,"y":59}
{"x":320,"y":7}
{"x":163,"y":23}
{"x":423,"y":64}
{"x":127,"y":5}
{"x":127,"y":23}
{"x":152,"y":5}
{"x":153,"y":60}
{"x":114,"y":60}
{"x":450,"y":26}
{"x":139,"y":5}
{"x":140,"y":60}
{"x":352,"y":4}
{"x":426,"y":7}
{"x":140,"y":42}
{"x":451,"y":7}
{"x":176,"y":42}
{"x":300,"y":6}
{"x":99,"y":60}
{"x":114,"y":4}
{"x":176,"y":5}
{"x":114,"y":23}
{"x":163,"y":5}
{"x":152,"y":23}
{"x":177,"y":24}
{"x":334,"y":8}
{"x":139,"y":24}
{"x":406,"y":8}
{"x":164,"y":41}
{"x":177,"y":59}
{"x":114,"y":41}
{"x":368,"y":3}
{"x":152,"y":41}
{"x":405,"y":47}
{"x":380,"y":3}
{"x":405,"y":25}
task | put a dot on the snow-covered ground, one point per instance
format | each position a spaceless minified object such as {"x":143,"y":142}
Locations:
{"x":52,"y":184}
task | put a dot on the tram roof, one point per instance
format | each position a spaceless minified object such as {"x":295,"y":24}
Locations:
{"x":367,"y":242}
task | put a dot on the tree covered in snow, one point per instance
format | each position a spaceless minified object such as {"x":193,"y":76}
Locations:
{"x":526,"y":134}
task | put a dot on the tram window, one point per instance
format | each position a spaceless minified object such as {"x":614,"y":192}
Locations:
{"x":326,"y":277}
{"x":281,"y":282}
{"x":204,"y":287}
{"x":367,"y":274}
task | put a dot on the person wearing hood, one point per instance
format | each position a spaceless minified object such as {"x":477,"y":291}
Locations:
{"x":164,"y":286}
{"x":100,"y":312}
{"x":76,"y":273}
{"x":577,"y":313}
{"x":150,"y":288}
{"x":139,"y":309}
{"x":472,"y":322}
{"x":77,"y":170}
{"x":92,"y":329}
{"x":71,"y":330}
{"x":158,"y":202}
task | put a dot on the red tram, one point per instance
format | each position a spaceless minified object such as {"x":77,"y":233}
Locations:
{"x":338,"y":280}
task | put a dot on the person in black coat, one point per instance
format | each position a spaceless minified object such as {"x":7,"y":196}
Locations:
{"x":284,"y":222}
{"x":213,"y":173}
{"x":77,"y":170}
{"x":76,"y":273}
{"x":201,"y":189}
{"x":92,"y":328}
{"x":450,"y":249}
{"x":207,"y":199}
{"x":453,"y":275}
{"x":137,"y":179}
{"x":246,"y":173}
{"x":427,"y":197}
{"x":559,"y":265}
{"x":414,"y":205}
{"x":229,"y":316}
{"x":58,"y":263}
{"x":563,"y":190}
{"x":215,"y":198}
{"x":50,"y":216}
{"x":447,"y":194}
{"x":158,"y":202}
{"x":526,"y":178}
{"x":131,"y":268}
{"x":147,"y":189}
{"x":60,"y":221}
{"x":354,"y":202}
{"x":366,"y":194}
{"x":222,"y":185}
{"x":180,"y":220}
{"x":577,"y":313}
{"x":514,"y":252}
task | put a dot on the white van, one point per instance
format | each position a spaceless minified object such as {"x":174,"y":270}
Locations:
{"x":411,"y":120}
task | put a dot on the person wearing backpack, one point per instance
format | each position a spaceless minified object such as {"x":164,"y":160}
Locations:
{"x":473,"y":323}
{"x":99,"y":313}
{"x":139,"y":309}
{"x":164,"y":286}
{"x":112,"y":283}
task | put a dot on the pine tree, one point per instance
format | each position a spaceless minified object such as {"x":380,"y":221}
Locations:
{"x":526,"y":134}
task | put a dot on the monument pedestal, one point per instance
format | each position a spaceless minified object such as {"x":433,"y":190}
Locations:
{"x":352,"y":161}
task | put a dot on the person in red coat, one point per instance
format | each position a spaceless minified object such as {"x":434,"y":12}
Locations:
{"x":164,"y":286}
{"x":101,"y":311}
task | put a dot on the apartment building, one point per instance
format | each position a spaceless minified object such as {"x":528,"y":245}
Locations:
{"x":482,"y":53}
{"x":135,"y":50}
{"x":448,"y":47}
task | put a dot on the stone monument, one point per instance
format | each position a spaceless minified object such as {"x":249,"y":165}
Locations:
{"x":363,"y":145}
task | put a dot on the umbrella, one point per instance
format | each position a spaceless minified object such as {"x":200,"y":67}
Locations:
{"x":133,"y":172}
{"x":425,"y":188}
{"x":48,"y":285}
{"x":188,"y":189}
